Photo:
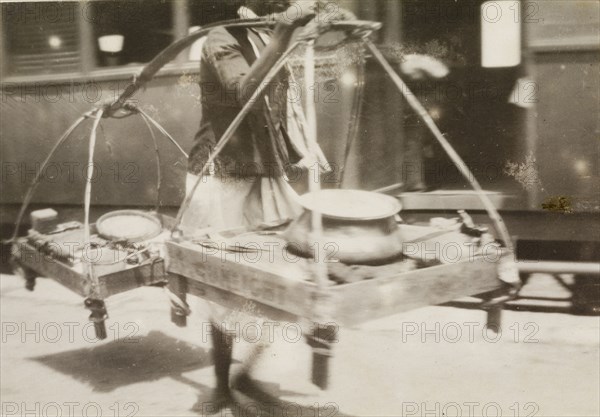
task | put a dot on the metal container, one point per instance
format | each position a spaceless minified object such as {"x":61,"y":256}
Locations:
{"x":359,"y":227}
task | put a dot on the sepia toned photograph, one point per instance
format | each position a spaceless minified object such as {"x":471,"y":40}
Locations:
{"x":300,"y":208}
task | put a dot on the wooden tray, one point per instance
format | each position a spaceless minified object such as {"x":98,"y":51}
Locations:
{"x":148,"y":273}
{"x":284,"y":290}
{"x":36,"y":262}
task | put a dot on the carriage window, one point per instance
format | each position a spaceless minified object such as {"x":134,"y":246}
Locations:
{"x":41,"y":37}
{"x":47,"y":38}
{"x":131,"y":31}
{"x":203,"y":12}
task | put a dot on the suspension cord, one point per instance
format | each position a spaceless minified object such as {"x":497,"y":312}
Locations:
{"x":314,"y":183}
{"x":38,"y":176}
{"x":356,"y":112}
{"x":158,"y":162}
{"x":161,"y":130}
{"x":454,"y":156}
{"x":88,"y":199}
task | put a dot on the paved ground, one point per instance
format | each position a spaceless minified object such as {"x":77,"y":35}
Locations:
{"x":429,"y":362}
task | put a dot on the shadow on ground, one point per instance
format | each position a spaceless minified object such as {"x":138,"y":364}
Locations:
{"x":147,"y":358}
{"x":124,"y":362}
{"x":265,"y":399}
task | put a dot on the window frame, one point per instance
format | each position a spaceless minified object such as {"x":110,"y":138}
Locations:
{"x":89,"y":70}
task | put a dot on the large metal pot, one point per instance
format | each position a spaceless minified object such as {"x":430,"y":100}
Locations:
{"x":359,"y":227}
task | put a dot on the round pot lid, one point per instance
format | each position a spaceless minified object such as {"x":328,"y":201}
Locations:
{"x":351,"y":204}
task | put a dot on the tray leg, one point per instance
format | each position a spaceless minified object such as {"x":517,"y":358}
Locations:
{"x":586,"y":295}
{"x":321,"y":340}
{"x":178,"y":287}
{"x":98,"y":316}
{"x":27,"y":274}
{"x":493,"y":304}
{"x":494,"y":317}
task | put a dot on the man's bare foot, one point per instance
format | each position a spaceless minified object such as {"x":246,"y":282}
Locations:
{"x":219,"y":400}
{"x":246,"y":385}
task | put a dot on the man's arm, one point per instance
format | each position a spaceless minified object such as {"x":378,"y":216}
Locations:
{"x":302,"y":12}
{"x":238,"y":78}
{"x":226,"y":57}
{"x":268,"y":57}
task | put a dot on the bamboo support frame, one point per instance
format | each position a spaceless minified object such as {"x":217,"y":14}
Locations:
{"x":88,"y":199}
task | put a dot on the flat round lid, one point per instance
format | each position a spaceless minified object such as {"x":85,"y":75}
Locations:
{"x":351,"y":204}
{"x":128,"y":225}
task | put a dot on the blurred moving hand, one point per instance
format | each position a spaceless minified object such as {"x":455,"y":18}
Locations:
{"x":298,"y":14}
{"x":326,"y":13}
{"x":418,"y":67}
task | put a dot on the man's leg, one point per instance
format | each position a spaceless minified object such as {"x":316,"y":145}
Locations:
{"x":243,"y":381}
{"x":222,"y":356}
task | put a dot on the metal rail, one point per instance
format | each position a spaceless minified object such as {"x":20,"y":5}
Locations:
{"x":557,"y":267}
